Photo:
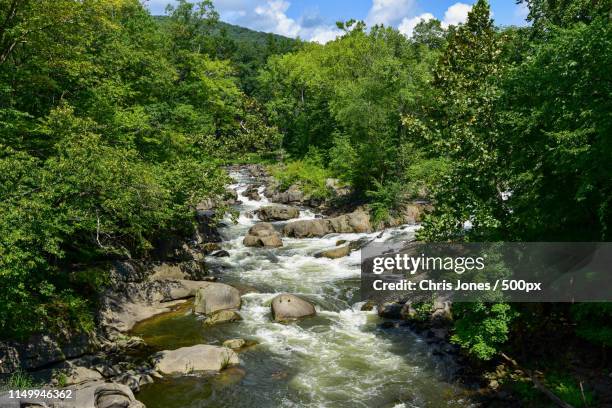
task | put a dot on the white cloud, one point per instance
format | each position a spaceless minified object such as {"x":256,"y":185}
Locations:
{"x":324,"y":34}
{"x":389,"y":12}
{"x":521,"y":11}
{"x":272,"y":16}
{"x":456,"y":14}
{"x":407,"y":25}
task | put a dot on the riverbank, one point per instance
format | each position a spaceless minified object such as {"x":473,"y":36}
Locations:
{"x":310,"y":361}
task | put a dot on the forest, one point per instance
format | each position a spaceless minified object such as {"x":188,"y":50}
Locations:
{"x":115,"y":123}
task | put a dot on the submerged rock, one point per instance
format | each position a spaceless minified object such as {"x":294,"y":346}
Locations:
{"x":262,"y":234}
{"x":334,"y":253}
{"x":278,"y":213}
{"x":215,"y":297}
{"x":288,"y":307}
{"x":223,"y":316}
{"x":235,"y":344}
{"x":201,"y":357}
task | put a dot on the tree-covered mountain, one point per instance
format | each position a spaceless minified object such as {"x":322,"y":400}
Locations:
{"x":248,"y":49}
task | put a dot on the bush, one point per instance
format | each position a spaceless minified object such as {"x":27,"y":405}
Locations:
{"x":309,"y":173}
{"x":482,"y":328}
{"x":566,"y":388}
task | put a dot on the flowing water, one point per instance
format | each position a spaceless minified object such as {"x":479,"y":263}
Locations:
{"x":342,"y":357}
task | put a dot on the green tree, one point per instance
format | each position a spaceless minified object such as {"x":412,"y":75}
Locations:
{"x":462,"y":124}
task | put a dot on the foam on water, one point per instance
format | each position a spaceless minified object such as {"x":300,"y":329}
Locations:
{"x":341,"y":357}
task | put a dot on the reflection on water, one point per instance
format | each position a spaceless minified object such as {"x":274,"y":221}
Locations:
{"x":342,"y":357}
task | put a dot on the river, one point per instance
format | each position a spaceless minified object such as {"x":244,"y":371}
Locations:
{"x":343,"y":357}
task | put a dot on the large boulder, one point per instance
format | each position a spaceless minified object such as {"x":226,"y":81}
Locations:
{"x":201,"y":357}
{"x":414,"y":211}
{"x":307,"y":228}
{"x":410,"y":213}
{"x":216,"y":297}
{"x":356,"y":222}
{"x":262,"y":234}
{"x":288,"y":307}
{"x":121,"y":308}
{"x":278,"y":213}
{"x":292,"y":195}
{"x":334,"y":253}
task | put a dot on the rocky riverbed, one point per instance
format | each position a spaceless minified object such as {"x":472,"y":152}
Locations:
{"x":269,"y":315}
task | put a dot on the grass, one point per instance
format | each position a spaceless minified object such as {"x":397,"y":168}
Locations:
{"x":19,"y":380}
{"x":562,"y":385}
{"x":310,"y":176}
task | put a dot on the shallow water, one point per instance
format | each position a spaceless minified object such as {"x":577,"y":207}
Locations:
{"x":340,"y":358}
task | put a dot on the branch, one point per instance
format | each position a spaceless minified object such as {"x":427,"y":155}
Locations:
{"x":551,"y":396}
{"x":12,"y":11}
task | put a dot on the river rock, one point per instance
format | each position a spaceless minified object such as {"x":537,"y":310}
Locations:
{"x":234,"y":344}
{"x":209,"y":247}
{"x":390,"y":310}
{"x":307,"y":228}
{"x":257,"y":170}
{"x":359,"y":243}
{"x":215,"y":297}
{"x":9,"y":358}
{"x":338,"y":188}
{"x":80,"y":375}
{"x":201,"y":357}
{"x":287,"y":307}
{"x":278,"y":213}
{"x":121,"y":308}
{"x":252,"y":193}
{"x":207,"y":225}
{"x":222,"y":316}
{"x":292,"y":195}
{"x":356,"y":222}
{"x":221,"y":254}
{"x":166,"y":270}
{"x":43,"y":350}
{"x":410,"y":213}
{"x":334,"y":253}
{"x":262,"y":234}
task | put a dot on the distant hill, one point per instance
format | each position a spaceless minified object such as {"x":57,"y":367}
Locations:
{"x":248,"y":49}
{"x":240,"y":34}
{"x":243,"y":34}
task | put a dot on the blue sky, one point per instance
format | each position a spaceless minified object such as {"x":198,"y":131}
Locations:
{"x":314,"y":20}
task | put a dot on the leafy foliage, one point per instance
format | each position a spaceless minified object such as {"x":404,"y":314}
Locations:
{"x":482,"y":328}
{"x":112,"y":129}
{"x":308,"y":173}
